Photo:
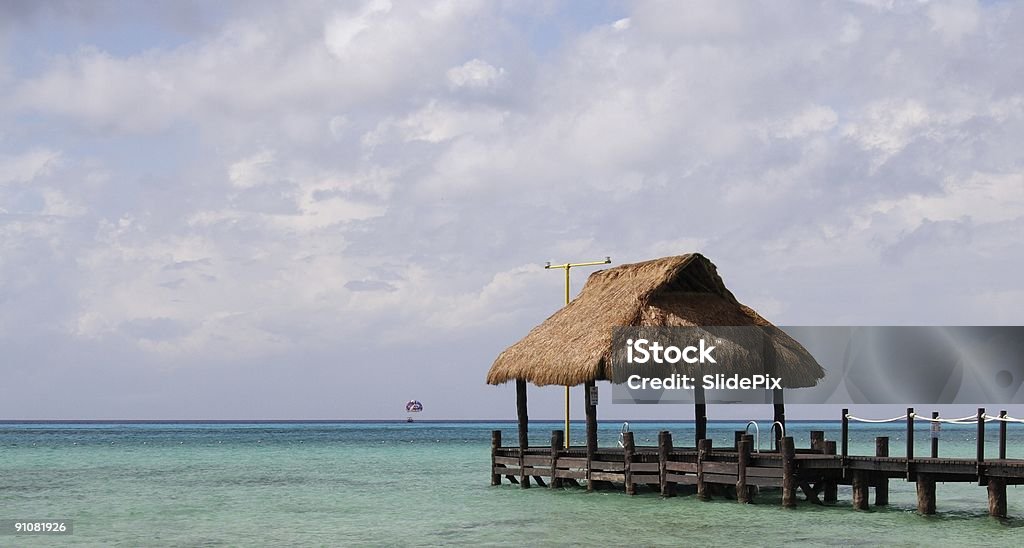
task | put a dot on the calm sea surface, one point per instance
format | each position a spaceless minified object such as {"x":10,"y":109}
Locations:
{"x":427,"y":484}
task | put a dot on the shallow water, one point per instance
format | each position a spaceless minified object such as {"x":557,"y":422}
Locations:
{"x":425,"y":484}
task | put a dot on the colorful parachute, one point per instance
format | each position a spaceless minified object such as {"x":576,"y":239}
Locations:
{"x":413,"y":406}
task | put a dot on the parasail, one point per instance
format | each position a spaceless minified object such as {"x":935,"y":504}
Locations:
{"x":413,"y":406}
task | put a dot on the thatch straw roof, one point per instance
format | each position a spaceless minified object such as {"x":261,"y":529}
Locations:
{"x":574,"y":345}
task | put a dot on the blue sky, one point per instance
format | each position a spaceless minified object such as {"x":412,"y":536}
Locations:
{"x":244,"y":210}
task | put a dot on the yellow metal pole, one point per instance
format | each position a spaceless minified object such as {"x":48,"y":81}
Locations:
{"x":566,"y":267}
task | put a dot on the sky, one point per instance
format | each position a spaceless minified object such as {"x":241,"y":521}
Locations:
{"x":266,"y":210}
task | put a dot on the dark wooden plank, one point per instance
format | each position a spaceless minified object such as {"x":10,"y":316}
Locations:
{"x":687,"y":479}
{"x":764,"y":481}
{"x":681,"y":466}
{"x":607,"y":476}
{"x":761,"y":471}
{"x":510,"y":461}
{"x":720,"y":468}
{"x":724,"y":479}
{"x":531,"y":459}
{"x":647,"y":479}
{"x":606,"y":465}
{"x":566,"y":462}
{"x":574,"y":474}
{"x":645,"y":467}
{"x":537,"y":470}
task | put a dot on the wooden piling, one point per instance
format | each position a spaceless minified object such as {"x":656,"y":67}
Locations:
{"x":737,"y":438}
{"x":789,"y":478}
{"x":997,"y":497}
{"x":495,"y":445}
{"x":743,"y":460}
{"x":981,"y":435}
{"x":860,"y":490}
{"x":524,"y":431}
{"x":910,"y":435}
{"x":925,"y":494}
{"x":935,"y":436}
{"x":817,"y":440}
{"x":668,"y":489}
{"x":557,"y":439}
{"x":831,"y":488}
{"x":846,"y":433}
{"x":591,"y":409}
{"x":1002,"y":435}
{"x":703,"y":452}
{"x":881,"y":481}
{"x":700,"y":415}
{"x":627,"y":457}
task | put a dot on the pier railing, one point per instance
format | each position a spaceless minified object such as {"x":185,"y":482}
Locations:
{"x":742,"y":472}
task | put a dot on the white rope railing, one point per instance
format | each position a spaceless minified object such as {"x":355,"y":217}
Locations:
{"x":859,"y":419}
{"x":969,"y":419}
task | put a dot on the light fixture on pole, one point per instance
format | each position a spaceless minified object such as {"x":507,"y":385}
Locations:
{"x":566,"y":267}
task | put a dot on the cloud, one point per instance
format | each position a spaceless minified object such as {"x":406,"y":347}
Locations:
{"x":26,"y":167}
{"x":332,"y":180}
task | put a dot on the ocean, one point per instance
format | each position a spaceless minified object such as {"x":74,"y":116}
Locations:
{"x":427,"y":483}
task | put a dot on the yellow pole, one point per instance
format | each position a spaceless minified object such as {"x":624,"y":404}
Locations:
{"x":566,"y":267}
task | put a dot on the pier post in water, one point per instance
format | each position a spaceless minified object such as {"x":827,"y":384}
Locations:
{"x":743,"y":460}
{"x":557,"y":439}
{"x":703,"y":452}
{"x":997,"y":497}
{"x":495,"y":445}
{"x":627,"y":459}
{"x":831,"y":488}
{"x":925,"y":494}
{"x":779,"y":412}
{"x":788,"y":472}
{"x":668,"y":489}
{"x":910,"y":435}
{"x":881,"y":481}
{"x":591,"y":411}
{"x":860,"y":490}
{"x":935,"y":435}
{"x":524,"y":431}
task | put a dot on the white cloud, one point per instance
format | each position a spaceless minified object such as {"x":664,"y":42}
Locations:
{"x":475,"y":74}
{"x":26,"y":167}
{"x":253,"y":170}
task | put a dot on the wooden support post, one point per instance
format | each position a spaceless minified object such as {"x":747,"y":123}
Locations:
{"x":818,"y":440}
{"x":779,"y":405}
{"x":524,"y":431}
{"x":557,"y":439}
{"x":910,"y":435}
{"x":627,"y":457}
{"x":737,"y":438}
{"x":831,"y":490}
{"x":700,"y":415}
{"x":881,"y":480}
{"x":703,"y":452}
{"x":925,"y":494}
{"x":668,"y":489}
{"x":997,"y":497}
{"x":860,"y":490}
{"x":743,"y":460}
{"x":935,"y":436}
{"x":846,"y":433}
{"x":789,"y":478}
{"x":495,"y":445}
{"x":591,"y":409}
{"x":981,"y":435}
{"x":1002,"y":435}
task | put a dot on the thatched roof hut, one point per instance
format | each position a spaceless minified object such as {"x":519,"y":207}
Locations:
{"x":574,"y":345}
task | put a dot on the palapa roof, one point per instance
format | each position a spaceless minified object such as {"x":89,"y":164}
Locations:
{"x":574,"y":345}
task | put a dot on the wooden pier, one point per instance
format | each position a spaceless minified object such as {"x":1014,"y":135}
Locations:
{"x":740,"y":472}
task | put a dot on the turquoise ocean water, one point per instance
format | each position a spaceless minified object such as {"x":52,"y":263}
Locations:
{"x":426,"y":484}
